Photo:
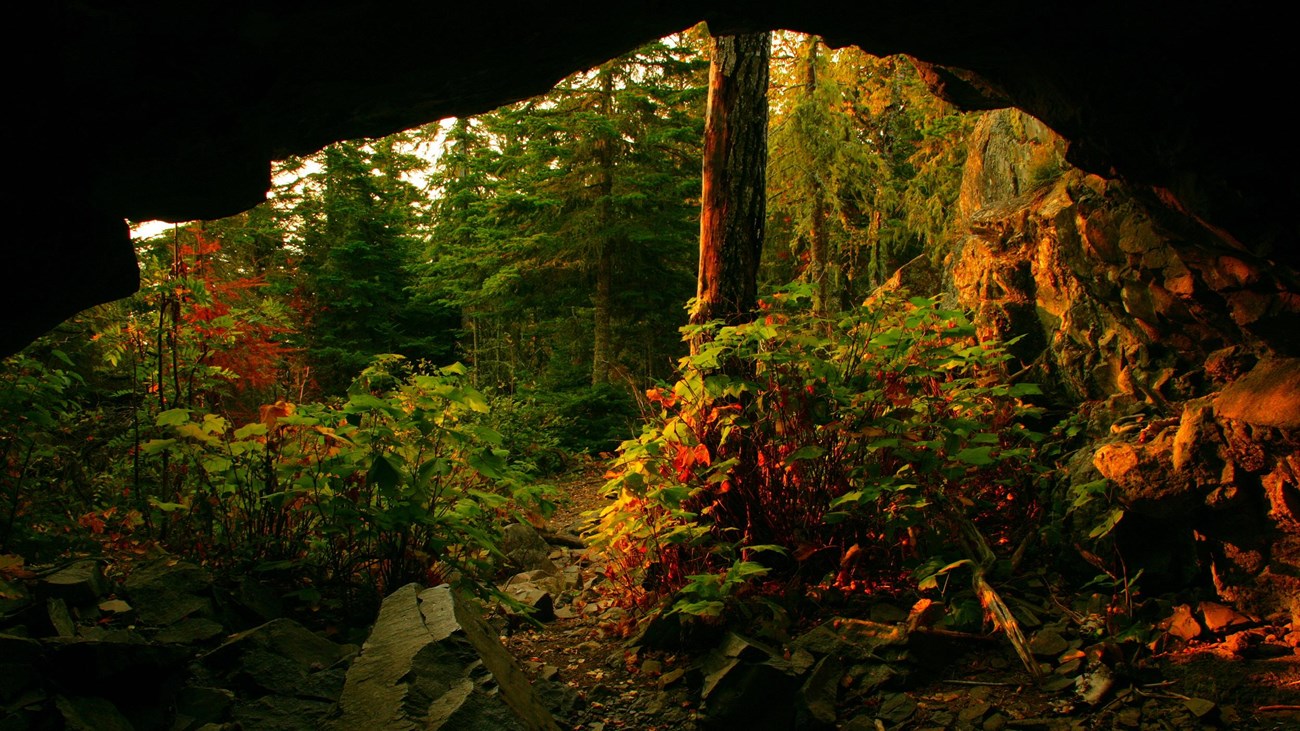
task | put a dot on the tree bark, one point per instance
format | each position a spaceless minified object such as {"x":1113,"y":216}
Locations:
{"x":734,"y":198}
{"x":603,"y":299}
{"x":818,"y":273}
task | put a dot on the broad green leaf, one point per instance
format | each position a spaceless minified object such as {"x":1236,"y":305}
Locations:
{"x":710,"y":608}
{"x":167,"y":507}
{"x":1107,"y":525}
{"x":154,"y":446}
{"x":361,"y":402}
{"x":475,"y":401}
{"x":811,"y":451}
{"x":977,"y":456}
{"x":384,"y":472}
{"x":173,"y":417}
{"x":867,"y":494}
{"x":485,"y":434}
{"x":490,"y":499}
{"x":216,"y":464}
{"x":250,"y":430}
{"x":762,"y":547}
{"x":489,"y":463}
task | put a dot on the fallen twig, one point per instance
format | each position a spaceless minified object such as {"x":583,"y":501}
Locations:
{"x":1166,"y":696}
{"x":950,"y":634}
{"x":990,"y":683}
{"x":1270,"y":709}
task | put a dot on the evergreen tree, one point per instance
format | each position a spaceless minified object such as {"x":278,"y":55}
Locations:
{"x":565,"y":224}
{"x":865,"y":168}
{"x":361,"y":228}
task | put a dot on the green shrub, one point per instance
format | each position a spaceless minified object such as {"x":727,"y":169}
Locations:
{"x":821,"y":454}
{"x":37,"y":405}
{"x":401,"y":482}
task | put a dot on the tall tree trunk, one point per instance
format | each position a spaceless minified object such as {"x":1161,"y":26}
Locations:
{"x":732,"y":215}
{"x":818,"y":273}
{"x":601,"y":350}
{"x":734,"y":198}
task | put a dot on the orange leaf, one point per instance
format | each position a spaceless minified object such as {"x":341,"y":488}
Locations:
{"x":271,"y":413}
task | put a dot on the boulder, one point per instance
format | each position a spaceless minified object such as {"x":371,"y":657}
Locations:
{"x":431,"y":662}
{"x":138,"y":679}
{"x":526,"y":550}
{"x":166,"y":590}
{"x":90,"y":714}
{"x":851,"y":639}
{"x":1269,"y":395}
{"x":1219,"y":617}
{"x":1182,"y":624}
{"x":60,"y":618}
{"x":1048,"y":643}
{"x":197,"y":706}
{"x":748,"y":684}
{"x":818,"y":694}
{"x":18,"y":659}
{"x":284,"y":658}
{"x":79,"y":583}
{"x":753,"y":696}
{"x":191,"y":631}
{"x":282,"y":713}
{"x":537,"y":602}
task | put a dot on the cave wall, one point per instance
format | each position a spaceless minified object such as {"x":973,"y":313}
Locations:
{"x":174,"y":110}
{"x":1174,"y":350}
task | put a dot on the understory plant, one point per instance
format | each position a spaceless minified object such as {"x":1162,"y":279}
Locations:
{"x":799,"y":454}
{"x":400,"y":482}
{"x":36,"y":407}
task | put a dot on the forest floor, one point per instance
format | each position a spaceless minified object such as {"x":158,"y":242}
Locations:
{"x":1245,"y":675}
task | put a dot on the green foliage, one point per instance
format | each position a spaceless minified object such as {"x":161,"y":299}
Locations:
{"x":565,"y":226}
{"x":360,"y":230}
{"x":37,"y":405}
{"x":856,"y":445}
{"x":864,"y":160}
{"x":401,"y":482}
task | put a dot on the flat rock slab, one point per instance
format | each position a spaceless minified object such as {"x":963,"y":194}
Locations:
{"x":284,"y":658}
{"x":167,"y":590}
{"x":79,"y":583}
{"x":1267,"y":396}
{"x":431,"y":663}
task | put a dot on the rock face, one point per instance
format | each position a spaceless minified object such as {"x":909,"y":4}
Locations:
{"x":1178,"y":345}
{"x":432,"y":663}
{"x":1111,"y":296}
{"x":120,"y":134}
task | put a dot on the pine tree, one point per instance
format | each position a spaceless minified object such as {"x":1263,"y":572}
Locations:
{"x":865,"y":168}
{"x":360,"y":234}
{"x":565,"y":224}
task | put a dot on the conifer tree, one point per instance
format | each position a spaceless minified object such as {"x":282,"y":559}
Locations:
{"x":865,"y":168}
{"x":360,"y":233}
{"x":564,"y":224}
